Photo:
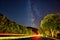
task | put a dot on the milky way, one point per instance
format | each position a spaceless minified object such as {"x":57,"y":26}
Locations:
{"x":34,"y":14}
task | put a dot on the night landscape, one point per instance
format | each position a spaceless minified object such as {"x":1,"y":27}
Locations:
{"x":29,"y":19}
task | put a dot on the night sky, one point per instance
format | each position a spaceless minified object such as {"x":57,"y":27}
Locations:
{"x":28,"y":12}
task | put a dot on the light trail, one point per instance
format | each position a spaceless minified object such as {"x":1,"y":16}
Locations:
{"x":19,"y":37}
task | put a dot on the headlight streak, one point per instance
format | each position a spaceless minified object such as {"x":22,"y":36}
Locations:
{"x":19,"y":37}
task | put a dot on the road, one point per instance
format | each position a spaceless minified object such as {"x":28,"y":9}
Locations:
{"x":30,"y":37}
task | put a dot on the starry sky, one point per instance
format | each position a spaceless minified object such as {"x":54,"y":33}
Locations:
{"x":28,"y":12}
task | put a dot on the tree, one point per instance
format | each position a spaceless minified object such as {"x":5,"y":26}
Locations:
{"x":8,"y":26}
{"x":51,"y":22}
{"x":42,"y":31}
